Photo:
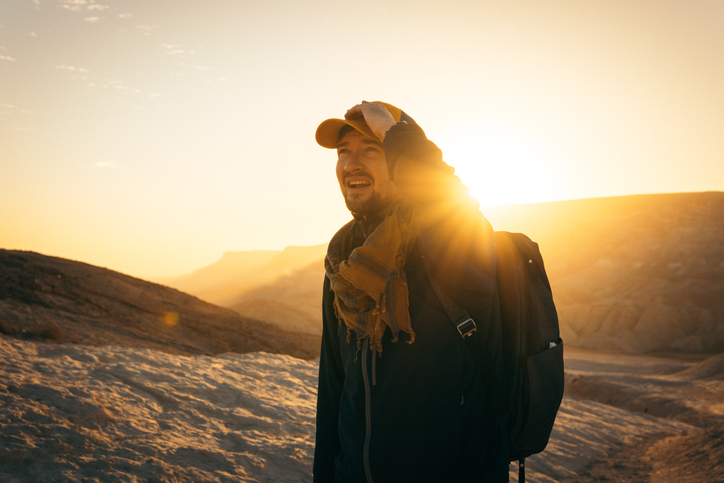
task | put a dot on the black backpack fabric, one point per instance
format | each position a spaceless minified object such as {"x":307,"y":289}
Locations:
{"x":532,"y":347}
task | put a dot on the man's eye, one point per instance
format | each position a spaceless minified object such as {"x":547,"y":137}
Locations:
{"x":341,"y":151}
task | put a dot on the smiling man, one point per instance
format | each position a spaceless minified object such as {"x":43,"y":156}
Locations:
{"x":400,"y":398}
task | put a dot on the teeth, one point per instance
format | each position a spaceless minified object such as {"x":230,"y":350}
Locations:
{"x":358,"y":183}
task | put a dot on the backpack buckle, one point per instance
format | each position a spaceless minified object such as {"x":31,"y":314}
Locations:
{"x":467,"y":327}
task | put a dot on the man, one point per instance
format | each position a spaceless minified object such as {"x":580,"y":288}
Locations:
{"x":400,"y":398}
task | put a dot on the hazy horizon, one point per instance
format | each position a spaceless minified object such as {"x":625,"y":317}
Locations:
{"x":508,"y":217}
{"x":152,"y":137}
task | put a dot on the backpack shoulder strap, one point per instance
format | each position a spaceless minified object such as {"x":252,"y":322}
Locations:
{"x":467,"y":327}
{"x":459,"y":317}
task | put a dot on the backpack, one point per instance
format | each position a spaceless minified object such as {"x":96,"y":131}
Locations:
{"x":532,"y":348}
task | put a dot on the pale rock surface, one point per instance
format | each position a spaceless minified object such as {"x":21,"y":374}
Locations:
{"x":71,"y":413}
{"x":77,"y":413}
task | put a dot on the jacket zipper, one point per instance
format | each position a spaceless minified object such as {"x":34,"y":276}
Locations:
{"x":368,"y":412}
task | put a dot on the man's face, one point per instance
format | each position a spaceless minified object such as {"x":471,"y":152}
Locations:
{"x":362,"y":174}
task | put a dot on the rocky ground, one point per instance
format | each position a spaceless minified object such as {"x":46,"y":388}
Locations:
{"x":72,"y":413}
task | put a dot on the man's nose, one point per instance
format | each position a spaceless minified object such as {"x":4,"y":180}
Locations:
{"x":353,"y":163}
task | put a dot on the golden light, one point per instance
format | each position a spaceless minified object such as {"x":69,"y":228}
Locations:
{"x":501,"y":169}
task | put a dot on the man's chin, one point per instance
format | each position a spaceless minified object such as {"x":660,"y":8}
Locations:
{"x":366,"y":207}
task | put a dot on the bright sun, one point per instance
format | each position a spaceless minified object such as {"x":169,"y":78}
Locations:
{"x":500,"y":169}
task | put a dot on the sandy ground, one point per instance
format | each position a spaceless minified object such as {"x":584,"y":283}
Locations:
{"x":666,"y":424}
{"x":75,"y":413}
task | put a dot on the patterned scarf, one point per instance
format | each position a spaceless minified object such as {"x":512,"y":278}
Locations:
{"x":369,"y":283}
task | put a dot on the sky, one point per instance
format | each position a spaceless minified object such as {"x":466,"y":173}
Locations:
{"x":152,"y":136}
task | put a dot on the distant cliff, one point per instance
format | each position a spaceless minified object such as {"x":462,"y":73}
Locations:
{"x":225,"y":280}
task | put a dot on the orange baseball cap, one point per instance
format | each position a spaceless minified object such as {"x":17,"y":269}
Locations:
{"x":328,"y":131}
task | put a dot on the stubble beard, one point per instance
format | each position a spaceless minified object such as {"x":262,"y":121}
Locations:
{"x":374,"y":204}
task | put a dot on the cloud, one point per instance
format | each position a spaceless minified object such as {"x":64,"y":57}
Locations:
{"x":7,"y":57}
{"x":71,"y":68}
{"x":79,"y":5}
{"x":92,"y":19}
{"x":105,"y":164}
{"x":173,"y":49}
{"x":7,"y":106}
{"x":72,"y":5}
{"x":146,"y":29}
{"x":125,"y":15}
{"x":33,"y":34}
{"x":118,"y":85}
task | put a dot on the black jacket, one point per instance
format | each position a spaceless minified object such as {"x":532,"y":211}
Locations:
{"x":418,"y":412}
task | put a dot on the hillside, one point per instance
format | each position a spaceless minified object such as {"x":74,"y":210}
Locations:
{"x":224,"y":281}
{"x":292,"y":301}
{"x":637,"y":273}
{"x":60,"y":300}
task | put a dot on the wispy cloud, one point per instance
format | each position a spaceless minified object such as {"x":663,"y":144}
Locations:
{"x":105,"y":164}
{"x":125,"y":15}
{"x":80,"y":5}
{"x":174,"y":49}
{"x":147,"y":29}
{"x":72,"y":68}
{"x":92,"y":19}
{"x":7,"y":57}
{"x":118,"y":85}
{"x":7,"y":106}
{"x":72,"y":5}
{"x":78,"y":73}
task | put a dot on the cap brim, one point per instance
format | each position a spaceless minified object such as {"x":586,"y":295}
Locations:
{"x":328,"y":131}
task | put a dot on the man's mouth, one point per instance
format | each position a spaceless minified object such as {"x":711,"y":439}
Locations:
{"x":355,"y":183}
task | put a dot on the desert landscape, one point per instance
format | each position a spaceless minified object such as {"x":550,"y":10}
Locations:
{"x":106,"y":377}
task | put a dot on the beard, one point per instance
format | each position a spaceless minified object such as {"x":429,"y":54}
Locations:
{"x":374,"y":204}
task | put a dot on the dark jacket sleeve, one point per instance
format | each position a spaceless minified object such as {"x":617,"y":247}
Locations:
{"x":454,"y":234}
{"x":329,"y":392}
